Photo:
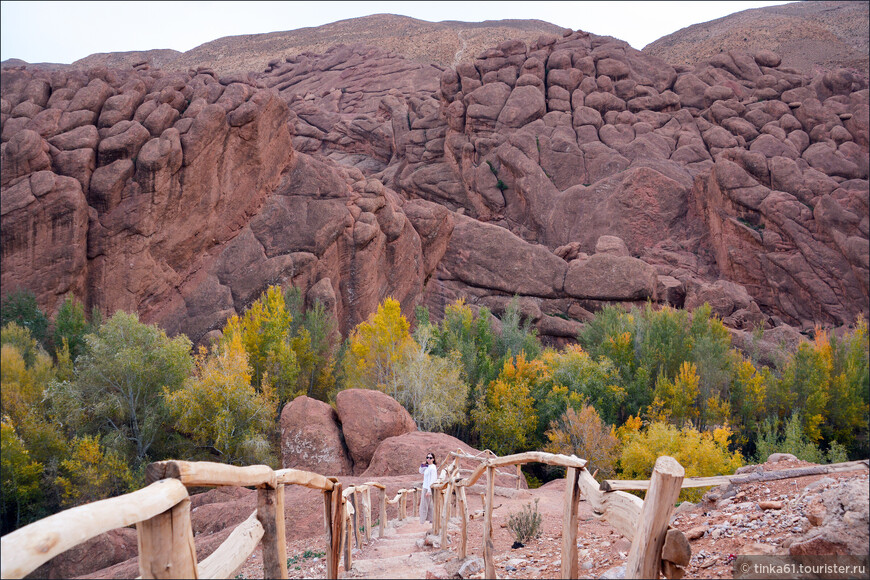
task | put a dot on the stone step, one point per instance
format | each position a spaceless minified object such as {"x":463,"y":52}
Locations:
{"x":412,"y":565}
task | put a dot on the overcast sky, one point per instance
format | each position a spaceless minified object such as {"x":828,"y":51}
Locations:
{"x":63,"y":32}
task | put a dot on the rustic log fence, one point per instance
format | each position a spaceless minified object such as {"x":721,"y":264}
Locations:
{"x":644,"y":523}
{"x":161,"y":513}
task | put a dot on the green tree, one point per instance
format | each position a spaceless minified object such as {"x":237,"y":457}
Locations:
{"x":675,"y":401}
{"x":70,"y":325}
{"x":517,"y":335}
{"x":315,"y":340}
{"x":21,"y":308}
{"x":429,"y":387}
{"x":118,"y":385}
{"x":220,"y":410}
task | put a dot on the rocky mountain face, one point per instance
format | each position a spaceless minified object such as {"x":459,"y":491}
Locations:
{"x":573,"y":171}
{"x":811,"y":36}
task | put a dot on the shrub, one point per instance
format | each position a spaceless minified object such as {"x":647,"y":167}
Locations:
{"x":584,"y":434}
{"x":700,"y":453}
{"x":525,"y":524}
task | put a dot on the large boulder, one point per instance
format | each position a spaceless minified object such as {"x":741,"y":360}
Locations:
{"x":368,"y":417}
{"x":311,"y":438}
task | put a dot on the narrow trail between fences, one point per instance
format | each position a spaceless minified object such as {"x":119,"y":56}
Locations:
{"x":398,"y":555}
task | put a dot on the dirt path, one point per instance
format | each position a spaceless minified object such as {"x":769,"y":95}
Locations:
{"x":461,"y":52}
{"x":395,"y":556}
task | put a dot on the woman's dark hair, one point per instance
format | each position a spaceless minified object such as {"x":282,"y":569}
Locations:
{"x":433,"y":457}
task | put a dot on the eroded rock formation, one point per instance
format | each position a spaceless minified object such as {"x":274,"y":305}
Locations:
{"x":574,"y":172}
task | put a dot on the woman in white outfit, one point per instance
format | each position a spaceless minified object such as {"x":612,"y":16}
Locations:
{"x":430,"y":474}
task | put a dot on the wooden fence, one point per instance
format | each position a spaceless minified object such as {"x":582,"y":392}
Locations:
{"x":161,"y":513}
{"x":655,"y":546}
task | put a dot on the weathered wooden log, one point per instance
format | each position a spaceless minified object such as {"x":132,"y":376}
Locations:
{"x":303,"y":478}
{"x":527,"y":457}
{"x":488,"y":555}
{"x":641,"y":484}
{"x":367,"y":512}
{"x":270,"y":512}
{"x":382,"y":516}
{"x":620,"y":509}
{"x":27,"y":548}
{"x":230,"y":556}
{"x":206,"y":473}
{"x":166,"y":548}
{"x":334,"y":517}
{"x":463,"y":523}
{"x":570,"y":518}
{"x":644,"y":558}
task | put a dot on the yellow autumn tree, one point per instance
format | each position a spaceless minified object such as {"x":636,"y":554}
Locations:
{"x":264,"y":330}
{"x":92,"y":472}
{"x":376,"y":346}
{"x":674,"y":401}
{"x":220,"y":409}
{"x":506,"y":415}
{"x":700,"y":453}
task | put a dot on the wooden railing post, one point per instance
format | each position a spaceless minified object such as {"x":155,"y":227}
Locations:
{"x":519,"y":475}
{"x":347,"y":537}
{"x":445,"y":517}
{"x":570,"y":568}
{"x":463,"y":523}
{"x":166,"y":548}
{"x":415,"y":508}
{"x":367,"y":512}
{"x":270,"y":512}
{"x":354,"y":517}
{"x":644,"y":558}
{"x":334,"y":528}
{"x":382,"y":517}
{"x":488,"y":556}
{"x":436,"y":511}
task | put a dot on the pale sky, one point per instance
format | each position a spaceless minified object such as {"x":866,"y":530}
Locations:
{"x":63,"y":32}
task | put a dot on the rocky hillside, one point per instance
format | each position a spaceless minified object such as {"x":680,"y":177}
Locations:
{"x":810,"y":36}
{"x":573,"y":171}
{"x":442,"y":43}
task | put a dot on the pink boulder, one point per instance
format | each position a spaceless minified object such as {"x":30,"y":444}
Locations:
{"x":311,"y":438}
{"x":368,"y":417}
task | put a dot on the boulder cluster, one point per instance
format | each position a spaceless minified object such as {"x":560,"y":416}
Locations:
{"x":574,"y":172}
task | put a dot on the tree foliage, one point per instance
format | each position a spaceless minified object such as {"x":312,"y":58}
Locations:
{"x":585,"y":435}
{"x":118,"y":384}
{"x":220,"y":409}
{"x":21,"y":308}
{"x":429,"y":387}
{"x":92,"y":472}
{"x":700,"y":453}
{"x":71,"y":326}
{"x":265,"y":332}
{"x":376,"y":346}
{"x":19,"y":480}
{"x":506,"y":414}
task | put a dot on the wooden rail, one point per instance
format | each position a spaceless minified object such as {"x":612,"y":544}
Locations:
{"x":161,"y":512}
{"x":630,"y":484}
